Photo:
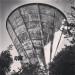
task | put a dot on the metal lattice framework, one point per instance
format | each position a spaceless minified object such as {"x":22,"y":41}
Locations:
{"x":31,"y":27}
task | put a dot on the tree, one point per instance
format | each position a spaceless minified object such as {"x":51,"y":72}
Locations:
{"x":15,"y":73}
{"x":64,"y":62}
{"x":5,"y":62}
{"x":17,"y":58}
{"x":29,"y":69}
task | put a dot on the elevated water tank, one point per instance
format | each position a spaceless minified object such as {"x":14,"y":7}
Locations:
{"x":31,"y":27}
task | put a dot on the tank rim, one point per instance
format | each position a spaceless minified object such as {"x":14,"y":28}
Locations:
{"x":34,"y":4}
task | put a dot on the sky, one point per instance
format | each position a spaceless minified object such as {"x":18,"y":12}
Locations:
{"x":6,"y":6}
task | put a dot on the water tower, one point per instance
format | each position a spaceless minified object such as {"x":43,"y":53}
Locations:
{"x":31,"y":27}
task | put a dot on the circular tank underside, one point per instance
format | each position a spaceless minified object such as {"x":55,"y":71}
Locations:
{"x":31,"y":27}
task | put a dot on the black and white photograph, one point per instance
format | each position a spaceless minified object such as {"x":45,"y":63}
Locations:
{"x":37,"y":37}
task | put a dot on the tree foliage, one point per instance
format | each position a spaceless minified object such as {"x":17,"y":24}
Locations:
{"x":28,"y":69}
{"x":5,"y":62}
{"x":64,"y":62}
{"x":17,"y":58}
